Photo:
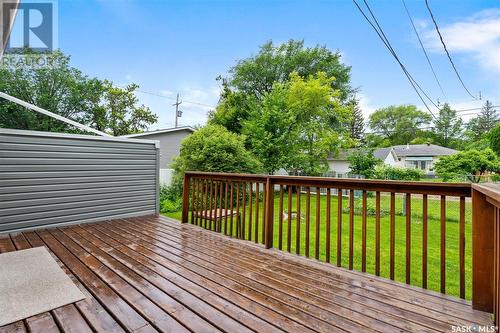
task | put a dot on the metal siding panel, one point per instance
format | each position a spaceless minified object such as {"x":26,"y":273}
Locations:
{"x":51,"y":179}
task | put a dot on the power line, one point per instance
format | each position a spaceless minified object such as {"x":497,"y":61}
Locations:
{"x":423,"y":49}
{"x":171,"y":98}
{"x":446,"y":50}
{"x":393,"y":53}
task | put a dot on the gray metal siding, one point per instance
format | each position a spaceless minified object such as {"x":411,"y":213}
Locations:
{"x":48,"y":179}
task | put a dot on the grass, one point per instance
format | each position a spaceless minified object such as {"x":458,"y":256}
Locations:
{"x":433,"y":266}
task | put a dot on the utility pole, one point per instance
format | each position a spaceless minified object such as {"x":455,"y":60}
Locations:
{"x":178,"y":113}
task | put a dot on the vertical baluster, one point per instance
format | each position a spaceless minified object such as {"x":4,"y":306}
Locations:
{"x":408,"y":237}
{"x":318,"y":215}
{"x":363,"y":234}
{"x":244,"y":210}
{"x":264,"y":200}
{"x":192,"y":196}
{"x":231,"y":209}
{"x":377,"y":233}
{"x":219,"y":220}
{"x":327,"y":231}
{"x":226,"y":206}
{"x":443,"y":244}
{"x":351,"y":228}
{"x":210,"y":199}
{"x":308,"y":216}
{"x":462,"y":247}
{"x":197,"y":205}
{"x":250,"y":212}
{"x":289,"y":226}
{"x":256,"y":238}
{"x":205,"y":203}
{"x":297,"y":223}
{"x":216,"y":196}
{"x":280,"y":219}
{"x":339,"y":227}
{"x":238,"y":217}
{"x":392,"y":234}
{"x":424,"y":241}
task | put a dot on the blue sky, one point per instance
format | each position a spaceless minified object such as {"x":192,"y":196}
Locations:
{"x":182,"y":46}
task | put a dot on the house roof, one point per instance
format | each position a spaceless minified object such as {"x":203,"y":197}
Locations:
{"x":160,"y":131}
{"x":381,"y":153}
{"x":422,"y":150}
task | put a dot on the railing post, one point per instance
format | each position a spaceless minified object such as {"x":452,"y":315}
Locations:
{"x":185,"y":198}
{"x":269,"y":236}
{"x":482,"y":252}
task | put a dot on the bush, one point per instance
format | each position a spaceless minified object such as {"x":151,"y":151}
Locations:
{"x":170,"y":206}
{"x":170,"y":199}
{"x":396,"y":173}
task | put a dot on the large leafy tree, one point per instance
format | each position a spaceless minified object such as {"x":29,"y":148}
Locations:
{"x":120,"y":113}
{"x":494,"y":139}
{"x":447,"y":127}
{"x":294,"y":128}
{"x":398,"y":124}
{"x":64,"y":90}
{"x":58,"y":87}
{"x":252,"y":78}
{"x":469,"y":163}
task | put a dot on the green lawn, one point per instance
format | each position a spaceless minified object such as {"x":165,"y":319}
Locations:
{"x":452,"y":238}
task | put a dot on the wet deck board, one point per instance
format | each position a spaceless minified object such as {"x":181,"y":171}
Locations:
{"x":153,"y":274}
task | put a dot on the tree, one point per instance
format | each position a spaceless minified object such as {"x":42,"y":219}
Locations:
{"x":270,"y":131}
{"x":447,"y":127}
{"x":363,"y":162}
{"x":120,"y":113}
{"x":292,"y":129}
{"x":317,"y":108}
{"x":484,"y":122}
{"x":58,"y":88}
{"x":233,"y":109}
{"x":494,"y":139}
{"x":251,"y":79}
{"x":469,"y":163}
{"x":399,"y":124}
{"x":357,"y":122}
{"x":64,"y":90}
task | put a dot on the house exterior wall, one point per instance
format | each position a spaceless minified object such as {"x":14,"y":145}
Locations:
{"x":170,"y":145}
{"x":390,"y":160}
{"x":339,"y":166}
{"x":54,"y":179}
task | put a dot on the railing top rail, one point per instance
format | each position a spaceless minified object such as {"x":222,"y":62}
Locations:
{"x":492,"y":191}
{"x":434,"y":188}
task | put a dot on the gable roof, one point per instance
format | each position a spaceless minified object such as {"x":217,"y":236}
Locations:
{"x":422,"y":150}
{"x":160,"y":131}
{"x":382,"y":153}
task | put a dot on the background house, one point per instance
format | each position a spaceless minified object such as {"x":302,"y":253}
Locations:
{"x":420,"y":157}
{"x":170,"y":145}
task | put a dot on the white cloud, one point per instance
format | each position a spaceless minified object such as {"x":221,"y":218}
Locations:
{"x":477,"y":36}
{"x":366,"y":105}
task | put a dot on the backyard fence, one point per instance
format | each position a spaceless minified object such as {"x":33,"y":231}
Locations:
{"x":52,"y":178}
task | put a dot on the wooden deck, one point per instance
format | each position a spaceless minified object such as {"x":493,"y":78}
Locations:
{"x":154,"y":274}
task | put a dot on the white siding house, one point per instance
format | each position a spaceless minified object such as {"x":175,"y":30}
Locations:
{"x":422,"y":157}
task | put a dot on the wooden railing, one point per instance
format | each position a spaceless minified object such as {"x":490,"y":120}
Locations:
{"x":317,"y":217}
{"x":486,"y":243}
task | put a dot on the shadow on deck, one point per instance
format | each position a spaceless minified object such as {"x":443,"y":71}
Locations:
{"x":154,"y":274}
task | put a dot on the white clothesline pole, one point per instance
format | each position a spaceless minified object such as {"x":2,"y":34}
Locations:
{"x":53,"y":115}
